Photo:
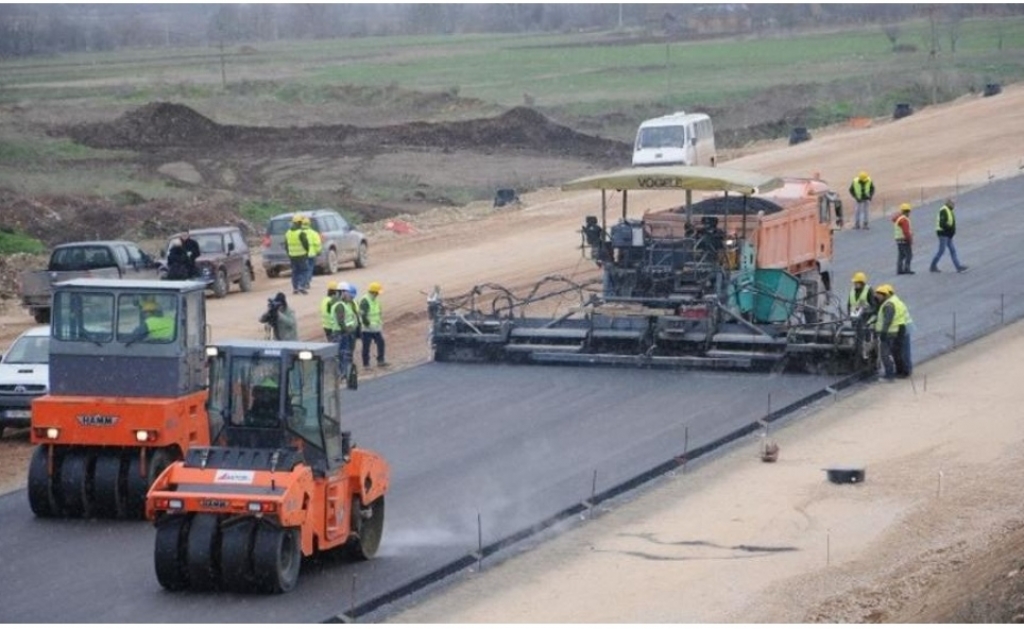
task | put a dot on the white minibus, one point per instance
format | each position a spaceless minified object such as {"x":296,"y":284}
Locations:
{"x":676,"y":139}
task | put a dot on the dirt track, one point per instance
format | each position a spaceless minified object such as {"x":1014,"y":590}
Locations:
{"x":926,"y":155}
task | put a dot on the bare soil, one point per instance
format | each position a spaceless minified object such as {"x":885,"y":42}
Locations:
{"x":456,"y":247}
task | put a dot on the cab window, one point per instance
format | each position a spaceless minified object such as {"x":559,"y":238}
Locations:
{"x":149,"y":318}
{"x":83,"y":316}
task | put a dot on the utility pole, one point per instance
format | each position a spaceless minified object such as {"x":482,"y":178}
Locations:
{"x":223,"y":70}
{"x":668,"y":72}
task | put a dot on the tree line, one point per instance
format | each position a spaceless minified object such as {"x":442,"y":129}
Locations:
{"x":48,"y":29}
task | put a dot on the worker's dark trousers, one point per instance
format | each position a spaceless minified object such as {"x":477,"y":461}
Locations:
{"x":346,"y":345}
{"x":901,"y":352}
{"x":299,"y":265}
{"x":904,"y":254}
{"x":378,"y":339}
{"x":886,"y":352}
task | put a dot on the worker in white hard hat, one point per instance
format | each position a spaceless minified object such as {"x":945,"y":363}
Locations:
{"x":347,"y":317}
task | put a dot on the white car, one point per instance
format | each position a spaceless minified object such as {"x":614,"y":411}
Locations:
{"x":24,"y":376}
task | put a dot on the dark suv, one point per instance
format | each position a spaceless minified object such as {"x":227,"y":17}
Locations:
{"x":224,"y":258}
{"x":341,"y":242}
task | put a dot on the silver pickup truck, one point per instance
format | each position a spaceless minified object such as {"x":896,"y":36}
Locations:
{"x":96,"y":258}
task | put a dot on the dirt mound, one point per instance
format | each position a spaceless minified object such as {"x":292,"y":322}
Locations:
{"x":54,"y":219}
{"x":167,"y":125}
{"x":153,"y":125}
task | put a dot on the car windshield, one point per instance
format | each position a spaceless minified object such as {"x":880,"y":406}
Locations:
{"x":661,"y":137}
{"x":29,"y":350}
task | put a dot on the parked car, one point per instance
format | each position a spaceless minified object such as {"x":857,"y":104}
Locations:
{"x":224,"y":258}
{"x":341,"y":243}
{"x":24,"y":376}
{"x":71,"y":260}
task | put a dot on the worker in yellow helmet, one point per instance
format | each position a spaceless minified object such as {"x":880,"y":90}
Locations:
{"x":893,"y":327}
{"x":904,"y":237}
{"x":372,"y":319}
{"x":861,"y":301}
{"x":327,"y":318}
{"x":156,"y":326}
{"x":297,"y":245}
{"x":315,"y":245}
{"x":862,"y":189}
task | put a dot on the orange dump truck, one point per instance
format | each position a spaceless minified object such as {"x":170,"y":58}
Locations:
{"x":787,"y":226}
{"x":127,"y":395}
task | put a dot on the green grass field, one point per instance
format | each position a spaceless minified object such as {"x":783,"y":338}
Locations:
{"x":575,"y":75}
{"x":601,"y":83}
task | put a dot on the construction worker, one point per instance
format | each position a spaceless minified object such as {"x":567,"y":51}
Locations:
{"x":156,"y":325}
{"x":945,"y":229}
{"x":347,"y":317}
{"x":861,"y":301}
{"x":904,"y":236}
{"x":327,"y":318}
{"x":892,"y":325}
{"x":296,"y":242}
{"x":315,"y":244}
{"x":373,"y":324}
{"x":862,"y":189}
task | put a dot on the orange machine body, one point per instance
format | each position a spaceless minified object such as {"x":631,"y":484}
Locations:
{"x":319,"y":507}
{"x":121,"y":422}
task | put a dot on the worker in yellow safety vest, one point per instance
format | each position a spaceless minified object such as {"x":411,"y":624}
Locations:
{"x":158,"y":326}
{"x":315,"y":245}
{"x":327,"y":315}
{"x":296,"y":243}
{"x":904,"y":237}
{"x":347,"y":317}
{"x":862,"y":189}
{"x":892,"y":325}
{"x":861,"y":301}
{"x":373,"y":324}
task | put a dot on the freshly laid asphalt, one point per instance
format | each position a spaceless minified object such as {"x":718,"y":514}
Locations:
{"x":480,"y":453}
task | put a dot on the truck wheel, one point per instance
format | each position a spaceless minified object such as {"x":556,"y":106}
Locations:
{"x":41,"y":497}
{"x":362,"y":256}
{"x":332,"y":261}
{"x":367,"y":528}
{"x":76,"y":483}
{"x":168,"y":553}
{"x":109,"y":485}
{"x":200,"y":553}
{"x":276,"y":559}
{"x":136,"y":484}
{"x":41,"y":315}
{"x":236,"y":543}
{"x":273,"y":272}
{"x":220,"y":284}
{"x":245,"y":282}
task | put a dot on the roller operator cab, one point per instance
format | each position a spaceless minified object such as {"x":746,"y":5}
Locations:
{"x":127,"y":394}
{"x":282,"y":480}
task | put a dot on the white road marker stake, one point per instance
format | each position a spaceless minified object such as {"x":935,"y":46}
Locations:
{"x":828,"y":546}
{"x":938,"y":493}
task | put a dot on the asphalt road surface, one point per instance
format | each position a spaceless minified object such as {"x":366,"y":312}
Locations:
{"x":479,"y":453}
